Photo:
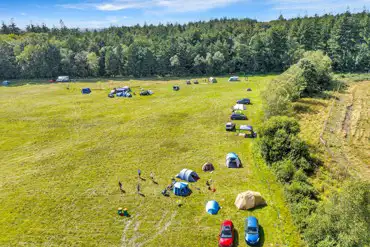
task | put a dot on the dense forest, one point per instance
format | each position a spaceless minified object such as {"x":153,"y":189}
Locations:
{"x":200,"y":48}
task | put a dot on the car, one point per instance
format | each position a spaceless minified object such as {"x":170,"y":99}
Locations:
{"x":238,"y":116}
{"x":230,"y":126}
{"x":252,"y":236}
{"x":244,"y":101}
{"x":63,"y":79}
{"x":227,"y":236}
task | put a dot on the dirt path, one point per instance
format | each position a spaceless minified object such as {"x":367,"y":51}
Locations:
{"x":348,"y":131}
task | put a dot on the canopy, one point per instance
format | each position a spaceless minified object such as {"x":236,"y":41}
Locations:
{"x":212,"y":207}
{"x":123,"y":89}
{"x":246,"y":127}
{"x":239,"y":107}
{"x":188,"y":175}
{"x":249,"y":199}
{"x":181,"y":189}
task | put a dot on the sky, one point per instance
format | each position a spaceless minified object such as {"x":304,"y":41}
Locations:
{"x":105,"y":13}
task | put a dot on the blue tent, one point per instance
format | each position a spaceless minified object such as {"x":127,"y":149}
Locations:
{"x":125,"y":89}
{"x":181,"y":189}
{"x":6,"y":83}
{"x":212,"y":207}
{"x":124,"y":94}
{"x":86,"y":91}
{"x":188,"y":175}
{"x":233,"y":161}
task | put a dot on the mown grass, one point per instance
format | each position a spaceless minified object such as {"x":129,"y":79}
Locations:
{"x":62,"y":154}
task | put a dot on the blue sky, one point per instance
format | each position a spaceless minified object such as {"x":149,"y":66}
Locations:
{"x":104,"y":13}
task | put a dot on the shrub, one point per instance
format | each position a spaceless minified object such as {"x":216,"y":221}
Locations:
{"x":284,"y":170}
{"x":342,"y":220}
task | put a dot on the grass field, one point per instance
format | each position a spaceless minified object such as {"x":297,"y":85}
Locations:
{"x":62,"y":154}
{"x":346,"y":133}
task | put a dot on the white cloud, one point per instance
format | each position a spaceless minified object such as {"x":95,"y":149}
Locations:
{"x":319,"y":5}
{"x":167,"y":5}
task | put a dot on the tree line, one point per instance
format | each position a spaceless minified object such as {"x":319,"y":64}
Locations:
{"x":214,"y":47}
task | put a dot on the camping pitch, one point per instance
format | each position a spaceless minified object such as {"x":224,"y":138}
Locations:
{"x":86,"y":91}
{"x":212,"y":207}
{"x":188,"y":175}
{"x":181,"y":189}
{"x":249,"y":199}
{"x":233,"y":161}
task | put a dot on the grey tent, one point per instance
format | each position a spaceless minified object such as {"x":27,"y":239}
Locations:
{"x":208,"y":167}
{"x":188,"y":175}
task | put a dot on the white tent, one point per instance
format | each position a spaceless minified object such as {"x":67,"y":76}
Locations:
{"x":239,"y":107}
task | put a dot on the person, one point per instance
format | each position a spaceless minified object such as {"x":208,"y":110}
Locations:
{"x":139,"y":172}
{"x":138,"y":188}
{"x":151,"y":176}
{"x":120,"y":187}
{"x":113,"y":91}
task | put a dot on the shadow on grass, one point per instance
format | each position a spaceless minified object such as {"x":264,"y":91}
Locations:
{"x":236,"y":240}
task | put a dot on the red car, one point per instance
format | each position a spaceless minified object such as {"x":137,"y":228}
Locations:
{"x":227,"y":236}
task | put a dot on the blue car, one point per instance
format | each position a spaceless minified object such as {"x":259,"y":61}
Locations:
{"x":252,"y":236}
{"x":244,"y":101}
{"x":238,"y":116}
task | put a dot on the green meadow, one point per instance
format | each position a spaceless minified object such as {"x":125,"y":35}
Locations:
{"x":63,"y":153}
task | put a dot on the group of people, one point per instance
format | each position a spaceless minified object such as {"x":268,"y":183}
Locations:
{"x":138,"y":186}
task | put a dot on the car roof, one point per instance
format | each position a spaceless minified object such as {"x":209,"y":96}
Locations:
{"x":227,"y":223}
{"x":251,"y":221}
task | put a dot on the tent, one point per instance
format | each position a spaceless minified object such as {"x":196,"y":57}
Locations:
{"x":239,"y":107}
{"x":249,"y":199}
{"x":196,"y":82}
{"x":188,"y":82}
{"x":212,"y":207}
{"x":188,"y":175}
{"x":233,"y":161}
{"x":250,"y":129}
{"x":124,"y":89}
{"x":123,"y":94}
{"x":249,"y":89}
{"x":181,"y":189}
{"x":86,"y":91}
{"x":176,"y":88}
{"x":207,"y":167}
{"x":234,"y":78}
{"x":6,"y":83}
{"x":212,"y":80}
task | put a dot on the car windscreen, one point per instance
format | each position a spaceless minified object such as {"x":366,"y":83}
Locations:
{"x":226,"y":233}
{"x":252,"y":230}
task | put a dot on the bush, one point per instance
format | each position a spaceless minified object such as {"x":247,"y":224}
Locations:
{"x":284,"y":170}
{"x":342,"y":220}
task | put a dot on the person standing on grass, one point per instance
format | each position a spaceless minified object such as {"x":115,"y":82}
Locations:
{"x":151,"y":176}
{"x":139,"y":173}
{"x":120,"y":186}
{"x":138,"y":188}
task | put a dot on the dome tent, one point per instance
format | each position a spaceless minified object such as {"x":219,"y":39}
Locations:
{"x":181,"y":189}
{"x":188,"y":175}
{"x":212,"y":80}
{"x":86,"y":91}
{"x":249,"y":199}
{"x":212,"y":207}
{"x":233,"y":161}
{"x":208,"y":167}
